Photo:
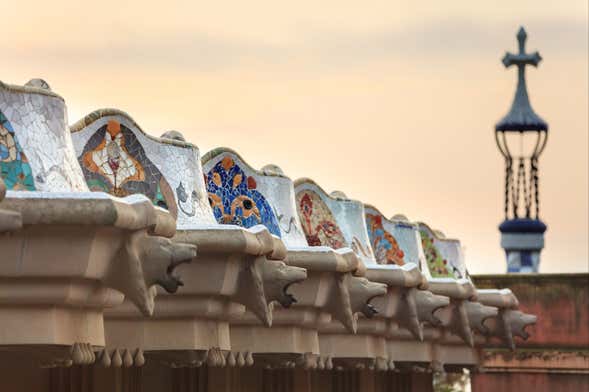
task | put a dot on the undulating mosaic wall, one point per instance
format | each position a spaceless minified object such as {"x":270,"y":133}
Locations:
{"x":407,"y":240}
{"x":318,"y":222}
{"x":384,"y":244}
{"x":244,"y":196}
{"x":235,"y":199}
{"x":14,"y":165}
{"x":117,"y":157}
{"x":113,"y":161}
{"x":36,"y":151}
{"x":444,"y":256}
{"x":332,"y":222}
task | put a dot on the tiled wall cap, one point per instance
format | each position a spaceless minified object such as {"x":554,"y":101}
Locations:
{"x":226,"y":150}
{"x":339,"y":195}
{"x":29,"y":89}
{"x":272,"y":169}
{"x":106,"y":112}
{"x":38,"y":83}
{"x":399,"y":218}
{"x":174,"y":135}
{"x":439,"y":234}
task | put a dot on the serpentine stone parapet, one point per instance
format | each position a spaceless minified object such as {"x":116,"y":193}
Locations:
{"x":444,"y":260}
{"x":118,"y":157}
{"x":77,"y":252}
{"x":245,"y":196}
{"x":334,"y":220}
{"x":36,"y":153}
{"x":494,"y":314}
{"x":237,"y":269}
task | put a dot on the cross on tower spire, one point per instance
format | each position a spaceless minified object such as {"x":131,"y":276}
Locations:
{"x":521,"y":117}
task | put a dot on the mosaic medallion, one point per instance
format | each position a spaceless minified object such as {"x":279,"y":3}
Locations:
{"x":114,"y":161}
{"x":438,"y":266}
{"x":14,"y":166}
{"x":384,"y":244}
{"x":234,"y":198}
{"x":318,"y":222}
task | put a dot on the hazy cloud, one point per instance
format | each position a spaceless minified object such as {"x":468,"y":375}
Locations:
{"x":314,"y":46}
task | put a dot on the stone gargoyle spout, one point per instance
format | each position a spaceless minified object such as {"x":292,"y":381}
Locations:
{"x":511,"y":323}
{"x":427,"y":304}
{"x":278,"y":277}
{"x":362,"y":291}
{"x":455,"y":318}
{"x":518,"y":322}
{"x":147,"y":261}
{"x":9,"y":220}
{"x":478,"y":313}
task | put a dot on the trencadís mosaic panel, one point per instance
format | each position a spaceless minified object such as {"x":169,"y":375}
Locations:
{"x":247,"y":196}
{"x":318,"y":222}
{"x":332,"y":221}
{"x":36,"y":151}
{"x":444,"y":256}
{"x":120,"y":158}
{"x":234,"y":197}
{"x":14,"y":165}
{"x":113,"y":161}
{"x":384,"y":245}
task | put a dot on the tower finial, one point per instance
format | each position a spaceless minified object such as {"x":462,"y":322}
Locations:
{"x":521,"y":117}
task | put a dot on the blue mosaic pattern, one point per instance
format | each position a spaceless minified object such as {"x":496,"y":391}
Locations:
{"x":14,"y":166}
{"x":235,"y":200}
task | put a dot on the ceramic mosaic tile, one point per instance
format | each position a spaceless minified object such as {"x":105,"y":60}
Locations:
{"x":384,"y":245}
{"x":14,"y":165}
{"x":407,"y":240}
{"x":36,"y":151}
{"x":235,"y":199}
{"x":444,"y":256}
{"x":246,"y":197}
{"x":117,"y":157}
{"x":331,"y":221}
{"x":113,"y":161}
{"x":318,"y":222}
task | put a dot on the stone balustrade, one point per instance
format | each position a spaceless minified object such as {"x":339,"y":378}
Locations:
{"x":236,"y":268}
{"x":334,"y":220}
{"x":77,"y":252}
{"x":100,"y":224}
{"x":242,"y":195}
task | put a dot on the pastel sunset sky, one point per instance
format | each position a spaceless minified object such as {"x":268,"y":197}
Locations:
{"x":392,"y":102}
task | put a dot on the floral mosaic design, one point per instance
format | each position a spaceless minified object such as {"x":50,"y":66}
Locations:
{"x":318,"y":222}
{"x":114,"y":161}
{"x":14,"y":166}
{"x":234,"y":198}
{"x":384,"y":244}
{"x":438,"y":266}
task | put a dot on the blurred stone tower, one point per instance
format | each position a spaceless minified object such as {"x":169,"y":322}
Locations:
{"x":521,"y":137}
